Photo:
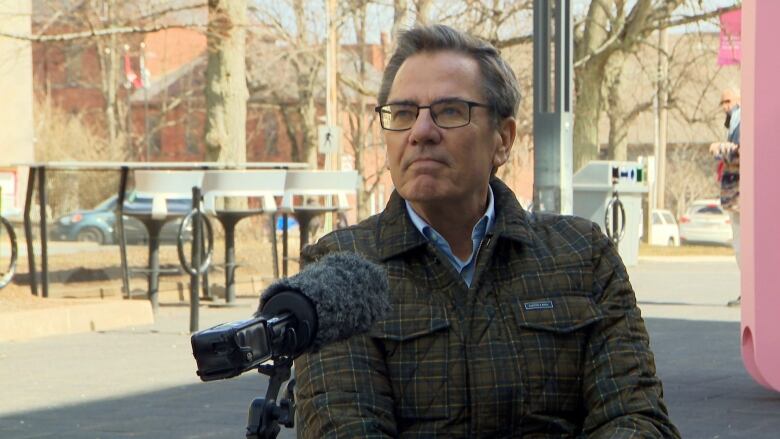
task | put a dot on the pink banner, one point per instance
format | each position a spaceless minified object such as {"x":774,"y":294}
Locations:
{"x":730,"y":51}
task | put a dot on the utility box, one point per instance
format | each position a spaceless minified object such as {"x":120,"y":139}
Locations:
{"x":594,"y":187}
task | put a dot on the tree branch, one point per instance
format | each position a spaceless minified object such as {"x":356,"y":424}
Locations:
{"x":357,"y":86}
{"x":97,"y":32}
{"x":514,"y":41}
{"x":688,"y":19}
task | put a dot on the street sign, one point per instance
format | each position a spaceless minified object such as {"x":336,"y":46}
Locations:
{"x":329,"y":139}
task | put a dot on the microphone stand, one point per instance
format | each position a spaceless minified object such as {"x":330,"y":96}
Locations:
{"x":264,"y":414}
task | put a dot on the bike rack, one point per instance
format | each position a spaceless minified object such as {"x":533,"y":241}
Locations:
{"x":615,"y":215}
{"x":6,"y":277}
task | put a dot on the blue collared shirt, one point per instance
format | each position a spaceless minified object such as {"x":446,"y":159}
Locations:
{"x":483,"y":226}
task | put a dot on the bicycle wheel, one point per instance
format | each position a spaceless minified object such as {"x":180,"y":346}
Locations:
{"x":7,"y":276}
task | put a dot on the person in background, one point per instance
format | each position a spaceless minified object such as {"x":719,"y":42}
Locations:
{"x":504,"y":323}
{"x":727,"y":154}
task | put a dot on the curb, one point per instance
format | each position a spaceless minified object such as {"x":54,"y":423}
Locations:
{"x":25,"y":325}
{"x":693,"y":258}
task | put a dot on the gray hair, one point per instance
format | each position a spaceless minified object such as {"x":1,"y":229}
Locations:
{"x":499,"y":84}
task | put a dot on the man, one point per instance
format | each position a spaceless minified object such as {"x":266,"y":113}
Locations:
{"x":727,"y":154}
{"x":503,"y":324}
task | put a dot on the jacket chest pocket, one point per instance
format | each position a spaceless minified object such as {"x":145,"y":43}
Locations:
{"x":553,"y":335}
{"x":416,"y":341}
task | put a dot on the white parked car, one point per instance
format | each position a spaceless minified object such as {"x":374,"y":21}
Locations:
{"x":665,"y":229}
{"x":706,"y":222}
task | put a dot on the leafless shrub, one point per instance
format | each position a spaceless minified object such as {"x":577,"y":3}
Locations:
{"x":690,"y":176}
{"x":62,"y":136}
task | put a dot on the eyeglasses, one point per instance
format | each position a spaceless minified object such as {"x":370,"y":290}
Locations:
{"x":450,"y":113}
{"x":725,"y":101}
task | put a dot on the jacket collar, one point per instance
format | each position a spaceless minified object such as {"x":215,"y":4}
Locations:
{"x":396,"y":234}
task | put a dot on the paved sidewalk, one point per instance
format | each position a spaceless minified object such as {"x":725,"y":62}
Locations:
{"x":140,"y":382}
{"x":134,"y":382}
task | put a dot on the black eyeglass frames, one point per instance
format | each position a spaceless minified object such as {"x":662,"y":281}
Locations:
{"x":450,"y":113}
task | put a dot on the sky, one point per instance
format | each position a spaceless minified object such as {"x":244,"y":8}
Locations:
{"x":380,"y":16}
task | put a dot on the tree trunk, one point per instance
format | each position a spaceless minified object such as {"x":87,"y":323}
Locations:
{"x":359,"y":122}
{"x":108,"y":57}
{"x":309,"y":124}
{"x":226,"y":89}
{"x":587,"y":82}
{"x":423,"y":9}
{"x":400,"y":15}
{"x":111,"y":101}
{"x":586,"y":115}
{"x":617,"y":145}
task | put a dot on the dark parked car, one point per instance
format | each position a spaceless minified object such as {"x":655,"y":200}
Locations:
{"x":99,"y":224}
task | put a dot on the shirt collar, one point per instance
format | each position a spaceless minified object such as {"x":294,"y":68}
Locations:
{"x":490,"y":214}
{"x":395,"y":233}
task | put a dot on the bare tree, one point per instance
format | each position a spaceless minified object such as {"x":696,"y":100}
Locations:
{"x":107,"y":49}
{"x":63,"y":136}
{"x":226,"y":89}
{"x":622,"y":110}
{"x":90,"y":28}
{"x":287,"y":71}
{"x":422,"y":9}
{"x":355,"y":94}
{"x":400,"y":16}
{"x":690,"y":177}
{"x":610,"y":29}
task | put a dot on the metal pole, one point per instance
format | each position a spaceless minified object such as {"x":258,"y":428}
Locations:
{"x":28,"y":233}
{"x":142,"y":66}
{"x":197,"y":232}
{"x":331,"y":85}
{"x":154,"y":227}
{"x":663,"y":97}
{"x":129,"y":91}
{"x":120,"y":209}
{"x":284,"y":245}
{"x":332,"y":102}
{"x":229,"y":225}
{"x":274,"y":246}
{"x":44,"y":238}
{"x":553,"y":118}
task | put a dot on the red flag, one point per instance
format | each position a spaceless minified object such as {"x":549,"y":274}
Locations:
{"x":130,"y":75}
{"x":730,"y":38}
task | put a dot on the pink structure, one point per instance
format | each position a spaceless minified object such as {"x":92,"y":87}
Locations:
{"x":760,"y":191}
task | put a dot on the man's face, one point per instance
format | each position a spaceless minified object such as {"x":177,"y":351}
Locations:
{"x":430,"y":164}
{"x":728,"y":100}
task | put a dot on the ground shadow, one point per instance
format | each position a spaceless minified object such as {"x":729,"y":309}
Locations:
{"x":707,"y":389}
{"x":206,"y":410}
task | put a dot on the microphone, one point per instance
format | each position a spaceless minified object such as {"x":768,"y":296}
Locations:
{"x":330,"y":300}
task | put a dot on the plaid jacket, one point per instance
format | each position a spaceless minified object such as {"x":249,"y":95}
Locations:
{"x":547,"y":343}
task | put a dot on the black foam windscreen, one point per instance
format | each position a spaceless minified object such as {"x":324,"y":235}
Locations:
{"x":349,"y":294}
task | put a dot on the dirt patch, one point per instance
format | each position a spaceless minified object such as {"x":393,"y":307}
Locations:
{"x":18,"y":298}
{"x":80,"y":274}
{"x":86,"y":274}
{"x":685,"y":250}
